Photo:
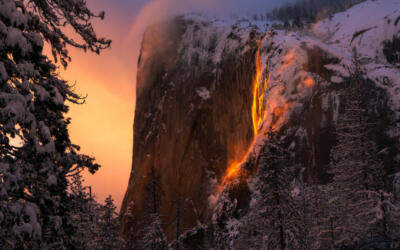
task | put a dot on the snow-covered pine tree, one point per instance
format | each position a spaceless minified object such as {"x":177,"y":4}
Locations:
{"x":358,"y":176}
{"x":153,"y":232}
{"x":96,"y":226}
{"x":107,"y":227}
{"x":319,"y":219}
{"x":302,"y":199}
{"x":390,"y":205}
{"x":249,"y":235}
{"x":309,"y":11}
{"x":278,"y":218}
{"x":132,"y":239}
{"x":225,"y":224}
{"x":153,"y":237}
{"x":83,"y":211}
{"x":390,"y":216}
{"x":36,"y":154}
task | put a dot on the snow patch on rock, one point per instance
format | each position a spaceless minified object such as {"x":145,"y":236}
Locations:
{"x":203,"y":93}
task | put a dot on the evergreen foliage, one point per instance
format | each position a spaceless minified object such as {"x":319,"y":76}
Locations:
{"x":319,"y":220}
{"x":277,"y":212}
{"x":275,"y":221}
{"x":132,"y":238}
{"x":83,"y":211}
{"x":225,"y":224}
{"x":153,"y":232}
{"x":147,"y":232}
{"x":355,"y":210}
{"x":96,"y":226}
{"x":107,"y":227}
{"x":309,"y":11}
{"x":154,"y":238}
{"x":36,"y":154}
{"x":358,"y":176}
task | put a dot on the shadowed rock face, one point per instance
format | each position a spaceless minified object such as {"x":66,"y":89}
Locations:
{"x":193,"y":118}
{"x":190,"y":121}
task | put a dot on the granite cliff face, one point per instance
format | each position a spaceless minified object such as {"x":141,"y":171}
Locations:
{"x":193,"y":116}
{"x":208,"y":91}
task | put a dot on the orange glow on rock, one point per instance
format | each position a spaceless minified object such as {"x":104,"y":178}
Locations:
{"x":308,"y":81}
{"x":288,"y":60}
{"x":231,"y":173}
{"x":257,"y":114}
{"x":276,"y":108}
{"x":279,"y":112}
{"x":257,"y":110}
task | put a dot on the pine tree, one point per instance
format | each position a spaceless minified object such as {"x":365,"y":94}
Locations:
{"x":302,"y":201}
{"x":96,"y":226}
{"x":277,"y":211}
{"x":83,"y":211}
{"x":154,"y":238}
{"x":224,"y":224}
{"x":390,"y":205}
{"x":36,"y":154}
{"x":309,"y":11}
{"x":319,"y":219}
{"x":153,"y":232}
{"x":108,"y":226}
{"x":132,"y":238}
{"x":357,"y":174}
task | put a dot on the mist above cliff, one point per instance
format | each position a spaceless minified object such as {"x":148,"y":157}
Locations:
{"x":158,"y":10}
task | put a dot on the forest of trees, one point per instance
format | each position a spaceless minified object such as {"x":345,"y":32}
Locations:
{"x":148,"y":232}
{"x":38,"y":162}
{"x":96,"y":226}
{"x":45,"y":205}
{"x":304,"y":12}
{"x":276,"y":221}
{"x":357,"y":209}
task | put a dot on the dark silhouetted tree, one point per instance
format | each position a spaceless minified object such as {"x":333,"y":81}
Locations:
{"x":107,"y":227}
{"x":309,"y":11}
{"x":358,"y":176}
{"x":83,"y":211}
{"x":132,"y":239}
{"x":36,"y":154}
{"x":153,"y":232}
{"x":277,"y":213}
{"x":153,"y":237}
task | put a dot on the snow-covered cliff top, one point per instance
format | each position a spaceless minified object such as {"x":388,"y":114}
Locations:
{"x":364,"y":27}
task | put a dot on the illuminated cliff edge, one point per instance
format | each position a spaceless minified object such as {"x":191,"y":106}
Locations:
{"x":216,"y":89}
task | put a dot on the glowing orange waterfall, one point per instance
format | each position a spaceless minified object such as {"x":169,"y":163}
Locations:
{"x":259,"y":86}
{"x":257,"y":114}
{"x":258,"y":98}
{"x":231,"y":173}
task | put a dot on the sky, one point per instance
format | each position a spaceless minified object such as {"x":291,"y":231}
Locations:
{"x":103,"y":126}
